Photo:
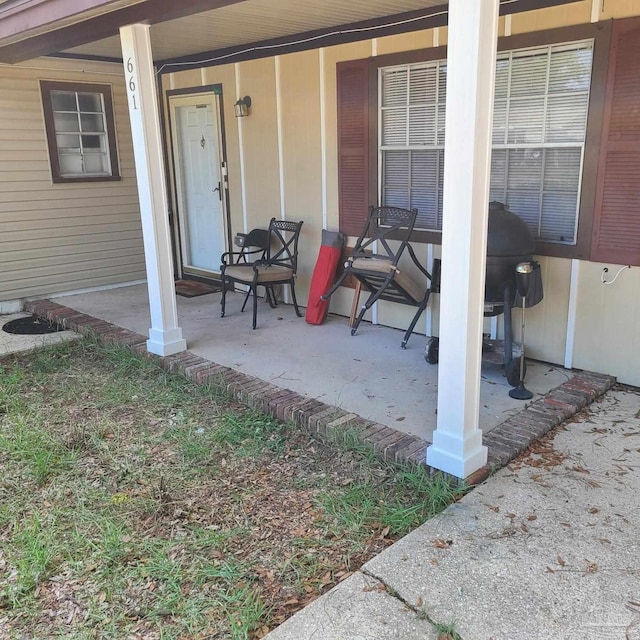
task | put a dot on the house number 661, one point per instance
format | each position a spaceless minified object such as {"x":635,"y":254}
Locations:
{"x":132,"y":84}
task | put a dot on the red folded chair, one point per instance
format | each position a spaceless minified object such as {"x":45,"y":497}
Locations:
{"x":323,"y":275}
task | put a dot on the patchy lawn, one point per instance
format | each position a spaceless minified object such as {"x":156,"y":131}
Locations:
{"x":134,"y":504}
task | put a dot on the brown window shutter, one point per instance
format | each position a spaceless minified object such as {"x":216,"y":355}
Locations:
{"x":616,"y":235}
{"x":353,"y":145}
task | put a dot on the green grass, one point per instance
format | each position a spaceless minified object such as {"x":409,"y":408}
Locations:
{"x":38,"y":547}
{"x":159,"y":507}
{"x":391,"y":505}
{"x":400,"y":498}
{"x":33,"y":445}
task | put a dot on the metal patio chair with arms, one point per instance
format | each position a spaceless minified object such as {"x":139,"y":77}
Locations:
{"x":387,"y":231}
{"x":254,"y":247}
{"x":278,"y":265}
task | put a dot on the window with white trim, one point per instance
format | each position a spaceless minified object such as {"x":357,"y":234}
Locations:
{"x":539,"y":129}
{"x":79,"y":122}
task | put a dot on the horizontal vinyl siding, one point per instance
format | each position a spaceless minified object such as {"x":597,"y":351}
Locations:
{"x":63,"y":237}
{"x":73,"y":207}
{"x":52,"y":254}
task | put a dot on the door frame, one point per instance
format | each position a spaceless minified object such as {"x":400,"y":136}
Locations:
{"x":177,"y":195}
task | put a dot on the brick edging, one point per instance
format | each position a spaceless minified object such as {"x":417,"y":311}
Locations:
{"x":510,"y":438}
{"x":318,"y":418}
{"x":505,"y":441}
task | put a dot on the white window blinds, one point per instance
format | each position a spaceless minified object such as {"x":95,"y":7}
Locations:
{"x":412,"y":134}
{"x":540,"y":117}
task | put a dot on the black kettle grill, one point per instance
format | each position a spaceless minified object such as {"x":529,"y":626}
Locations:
{"x":509,"y":243}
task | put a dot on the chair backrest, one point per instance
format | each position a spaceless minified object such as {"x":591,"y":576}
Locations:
{"x":258,"y":238}
{"x":283,"y":243}
{"x":384,"y":224}
{"x":254,"y":246}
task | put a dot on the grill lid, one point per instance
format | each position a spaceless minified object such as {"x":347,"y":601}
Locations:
{"x":508,"y":234}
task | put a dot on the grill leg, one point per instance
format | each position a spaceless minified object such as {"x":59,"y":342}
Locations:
{"x":508,"y":329}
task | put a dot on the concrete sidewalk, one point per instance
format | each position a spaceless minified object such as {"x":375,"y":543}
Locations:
{"x":549,"y":547}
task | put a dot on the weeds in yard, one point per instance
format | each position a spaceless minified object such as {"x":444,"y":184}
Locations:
{"x":134,"y":504}
{"x":250,"y":432}
{"x":446,"y":631}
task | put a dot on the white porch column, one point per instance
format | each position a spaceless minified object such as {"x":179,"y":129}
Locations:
{"x":457,"y":442}
{"x":165,"y":336}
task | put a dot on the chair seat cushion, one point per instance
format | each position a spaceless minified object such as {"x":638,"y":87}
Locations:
{"x":266,"y":273}
{"x":378,"y":265}
{"x":383,"y":267}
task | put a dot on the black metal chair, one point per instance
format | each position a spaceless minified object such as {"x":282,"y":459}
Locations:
{"x":380,"y":273}
{"x":254,"y":247}
{"x":278,"y":264}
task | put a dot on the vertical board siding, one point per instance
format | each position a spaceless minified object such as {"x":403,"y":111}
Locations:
{"x":618,"y":9}
{"x":302,"y":154}
{"x":607,"y":319}
{"x":578,"y":12}
{"x":260,"y":137}
{"x":63,"y":237}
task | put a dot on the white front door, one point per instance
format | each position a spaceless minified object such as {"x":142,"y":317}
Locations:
{"x":200,"y":181}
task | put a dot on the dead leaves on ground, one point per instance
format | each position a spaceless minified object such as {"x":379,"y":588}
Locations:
{"x":588,"y":568}
{"x":540,"y":454}
{"x":438,"y":543}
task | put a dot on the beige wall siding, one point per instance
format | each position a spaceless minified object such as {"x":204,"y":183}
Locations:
{"x":607,"y":338}
{"x":405,"y":42}
{"x":260,"y":138}
{"x":299,"y":89}
{"x":61,"y":237}
{"x":546,"y":328}
{"x":607,"y":316}
{"x":552,"y":17}
{"x":186,"y":79}
{"x":617,"y":9}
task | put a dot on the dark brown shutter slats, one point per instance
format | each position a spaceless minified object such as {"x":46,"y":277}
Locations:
{"x":616,"y":236}
{"x":353,"y":145}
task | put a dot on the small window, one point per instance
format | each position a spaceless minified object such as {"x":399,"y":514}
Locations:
{"x":80,"y":131}
{"x":539,"y":130}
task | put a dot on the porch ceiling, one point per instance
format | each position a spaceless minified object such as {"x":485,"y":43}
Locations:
{"x":254,"y":21}
{"x":31,"y":28}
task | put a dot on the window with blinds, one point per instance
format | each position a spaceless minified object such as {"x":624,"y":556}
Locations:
{"x":539,"y":127}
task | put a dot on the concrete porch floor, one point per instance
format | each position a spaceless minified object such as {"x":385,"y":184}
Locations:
{"x":367,"y":374}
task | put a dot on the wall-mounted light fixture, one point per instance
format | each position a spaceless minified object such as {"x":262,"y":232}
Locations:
{"x":242,"y":107}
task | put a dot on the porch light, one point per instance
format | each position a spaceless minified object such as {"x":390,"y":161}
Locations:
{"x":242,"y":107}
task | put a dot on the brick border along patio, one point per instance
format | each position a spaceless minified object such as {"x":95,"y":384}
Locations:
{"x":505,"y":442}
